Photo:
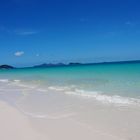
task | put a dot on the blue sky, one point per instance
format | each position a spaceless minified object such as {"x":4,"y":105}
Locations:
{"x":38,"y":31}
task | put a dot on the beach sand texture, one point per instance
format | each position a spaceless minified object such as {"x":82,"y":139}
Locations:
{"x":68,"y":118}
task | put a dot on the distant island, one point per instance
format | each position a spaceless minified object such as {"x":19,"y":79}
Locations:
{"x":76,"y":64}
{"x":45,"y":65}
{"x":6,"y":67}
{"x":49,"y":65}
{"x":56,"y":65}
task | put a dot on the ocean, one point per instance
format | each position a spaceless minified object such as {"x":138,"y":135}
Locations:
{"x":106,"y":83}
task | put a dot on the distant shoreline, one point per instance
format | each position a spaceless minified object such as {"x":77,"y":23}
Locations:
{"x":45,"y":65}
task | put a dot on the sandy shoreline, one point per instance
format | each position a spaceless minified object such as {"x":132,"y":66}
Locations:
{"x":32,"y":114}
{"x":16,"y":126}
{"x":60,"y":117}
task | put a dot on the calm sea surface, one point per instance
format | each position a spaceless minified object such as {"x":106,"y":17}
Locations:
{"x":99,"y":81}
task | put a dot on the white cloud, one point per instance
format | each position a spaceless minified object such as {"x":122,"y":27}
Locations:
{"x":19,"y":53}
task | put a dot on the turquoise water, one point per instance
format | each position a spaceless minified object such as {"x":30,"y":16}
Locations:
{"x":106,"y":79}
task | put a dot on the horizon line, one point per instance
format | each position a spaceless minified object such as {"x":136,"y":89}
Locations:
{"x":76,"y":63}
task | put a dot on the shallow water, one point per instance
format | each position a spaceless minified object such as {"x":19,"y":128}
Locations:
{"x":112,"y":83}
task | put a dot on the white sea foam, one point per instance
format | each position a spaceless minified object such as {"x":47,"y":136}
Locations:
{"x":115,"y":99}
{"x":4,"y":80}
{"x":17,"y":81}
{"x":60,"y":88}
{"x":97,"y":95}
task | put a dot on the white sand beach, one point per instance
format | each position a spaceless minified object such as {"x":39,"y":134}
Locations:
{"x":16,"y":126}
{"x":64,"y":117}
